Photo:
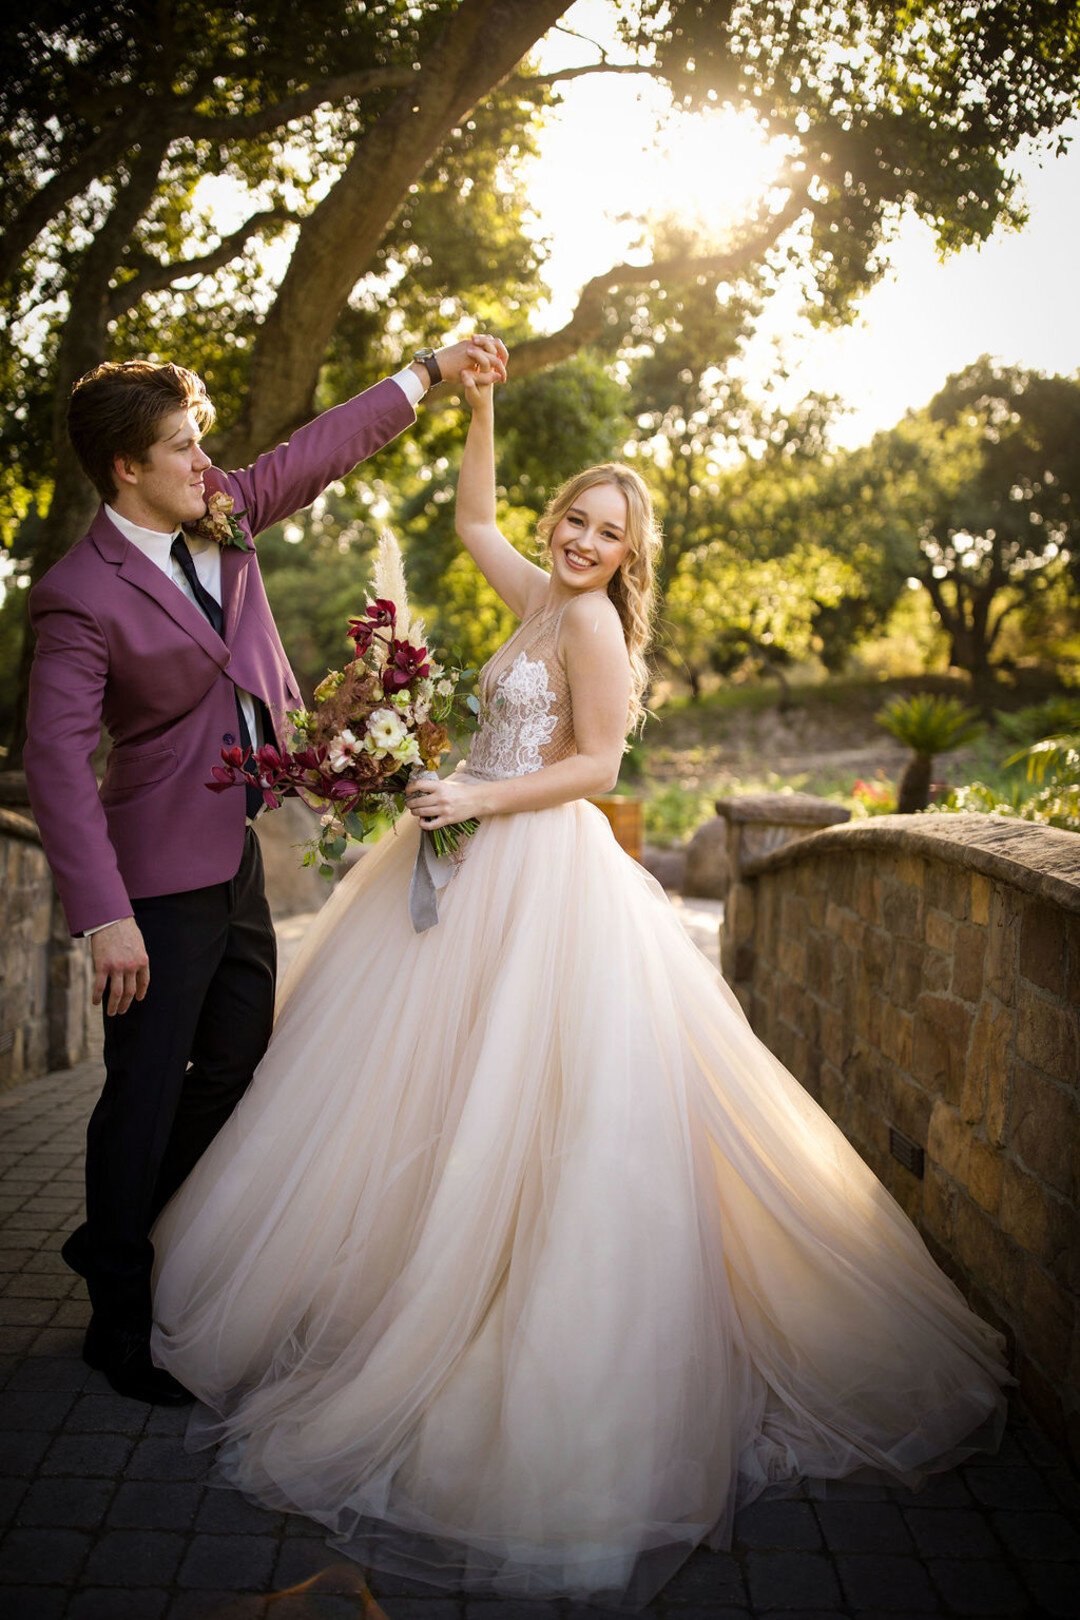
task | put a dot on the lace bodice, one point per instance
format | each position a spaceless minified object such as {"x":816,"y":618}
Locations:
{"x":526,"y":720}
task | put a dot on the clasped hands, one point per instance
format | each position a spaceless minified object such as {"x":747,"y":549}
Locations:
{"x":480,"y":358}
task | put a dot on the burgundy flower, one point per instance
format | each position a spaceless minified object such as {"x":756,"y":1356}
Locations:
{"x":378,"y":615}
{"x":406,"y":664}
{"x":269,"y":758}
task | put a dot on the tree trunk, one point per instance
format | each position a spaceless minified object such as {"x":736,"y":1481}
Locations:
{"x":914,"y":791}
{"x":482,"y":43}
{"x":84,"y":344}
{"x":70,"y":511}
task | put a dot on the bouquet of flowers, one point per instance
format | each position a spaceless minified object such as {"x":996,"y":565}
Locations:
{"x":372,"y":726}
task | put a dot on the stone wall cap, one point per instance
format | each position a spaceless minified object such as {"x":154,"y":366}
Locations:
{"x":1042,"y":860}
{"x":13,"y":788}
{"x":792,"y":809}
{"x":12,"y":825}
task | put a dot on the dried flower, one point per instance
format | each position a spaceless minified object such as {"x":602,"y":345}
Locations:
{"x":219,"y":523}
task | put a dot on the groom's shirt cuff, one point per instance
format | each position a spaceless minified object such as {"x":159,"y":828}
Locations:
{"x":99,"y":926}
{"x":410,"y":385}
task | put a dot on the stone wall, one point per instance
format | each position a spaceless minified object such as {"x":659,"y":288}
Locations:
{"x":44,"y":973}
{"x":921,"y":975}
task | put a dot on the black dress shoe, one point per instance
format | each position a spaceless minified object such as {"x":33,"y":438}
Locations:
{"x":123,"y":1355}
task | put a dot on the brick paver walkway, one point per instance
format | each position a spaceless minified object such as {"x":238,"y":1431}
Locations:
{"x":107,"y":1517}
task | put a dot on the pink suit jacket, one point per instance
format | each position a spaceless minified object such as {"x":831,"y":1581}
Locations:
{"x":118,"y":641}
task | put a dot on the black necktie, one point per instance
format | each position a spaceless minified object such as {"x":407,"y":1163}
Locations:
{"x":252,"y":796}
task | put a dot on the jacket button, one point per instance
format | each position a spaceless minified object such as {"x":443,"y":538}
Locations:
{"x":228,"y":739}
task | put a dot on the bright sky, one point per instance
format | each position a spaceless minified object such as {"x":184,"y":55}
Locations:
{"x":1013,"y":298}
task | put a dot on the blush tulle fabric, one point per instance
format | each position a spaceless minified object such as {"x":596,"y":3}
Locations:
{"x":523,"y":1263}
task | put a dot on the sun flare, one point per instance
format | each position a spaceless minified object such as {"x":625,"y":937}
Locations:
{"x":711,"y":169}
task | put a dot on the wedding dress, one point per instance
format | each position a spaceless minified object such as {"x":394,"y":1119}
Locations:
{"x":523,"y":1263}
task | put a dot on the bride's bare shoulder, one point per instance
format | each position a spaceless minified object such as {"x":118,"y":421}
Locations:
{"x":591,"y":625}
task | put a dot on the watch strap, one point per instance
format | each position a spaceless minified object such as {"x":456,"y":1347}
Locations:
{"x":426,"y":358}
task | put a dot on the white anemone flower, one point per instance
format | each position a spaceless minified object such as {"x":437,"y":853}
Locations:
{"x":385,"y":733}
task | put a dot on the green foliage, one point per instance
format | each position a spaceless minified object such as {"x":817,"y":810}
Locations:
{"x":1054,"y":763}
{"x":1056,"y":802}
{"x":724,"y":610}
{"x":1053,"y":717}
{"x":553,"y":424}
{"x":892,"y":106}
{"x":12,"y":624}
{"x":929,"y":725}
{"x":808,"y":559}
{"x":672,"y":813}
{"x":986,"y":483}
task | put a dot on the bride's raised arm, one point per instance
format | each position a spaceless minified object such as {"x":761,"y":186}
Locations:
{"x":520,"y":583}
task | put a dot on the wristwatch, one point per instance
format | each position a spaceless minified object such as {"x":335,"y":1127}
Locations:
{"x":426,"y":358}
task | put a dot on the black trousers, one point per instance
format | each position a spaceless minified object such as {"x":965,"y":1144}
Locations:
{"x":176,"y":1065}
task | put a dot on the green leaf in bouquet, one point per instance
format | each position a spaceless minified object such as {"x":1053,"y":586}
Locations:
{"x":326,"y":871}
{"x":356,"y":826}
{"x":334,"y":849}
{"x":473,"y":702}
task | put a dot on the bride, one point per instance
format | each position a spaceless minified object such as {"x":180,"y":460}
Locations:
{"x":523,"y":1264}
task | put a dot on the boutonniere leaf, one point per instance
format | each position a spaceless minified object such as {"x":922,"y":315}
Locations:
{"x":219,"y":523}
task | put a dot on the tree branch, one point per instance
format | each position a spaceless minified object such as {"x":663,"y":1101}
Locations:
{"x":244,"y":126}
{"x":587,"y":323}
{"x":526,"y":79}
{"x":92,"y":160}
{"x":481,"y":43}
{"x":951,"y":621}
{"x":153,"y":275}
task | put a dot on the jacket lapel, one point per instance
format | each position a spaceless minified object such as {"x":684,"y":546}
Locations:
{"x":234,"y":566}
{"x":137,"y":570}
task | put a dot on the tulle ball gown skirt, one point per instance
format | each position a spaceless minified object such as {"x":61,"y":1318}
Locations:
{"x":523,"y":1263}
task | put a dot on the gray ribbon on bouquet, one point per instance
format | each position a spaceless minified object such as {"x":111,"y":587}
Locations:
{"x":430,"y":873}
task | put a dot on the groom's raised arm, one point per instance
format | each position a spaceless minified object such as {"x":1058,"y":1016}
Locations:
{"x":285,"y":480}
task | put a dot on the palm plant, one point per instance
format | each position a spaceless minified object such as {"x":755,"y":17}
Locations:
{"x":928,"y":725}
{"x":1054,"y":763}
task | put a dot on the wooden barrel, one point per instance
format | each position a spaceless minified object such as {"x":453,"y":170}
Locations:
{"x":624,"y":816}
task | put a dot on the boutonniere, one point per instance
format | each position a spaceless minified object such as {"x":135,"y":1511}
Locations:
{"x":220,"y":523}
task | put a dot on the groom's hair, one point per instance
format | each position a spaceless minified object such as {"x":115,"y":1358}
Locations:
{"x":117,"y":410}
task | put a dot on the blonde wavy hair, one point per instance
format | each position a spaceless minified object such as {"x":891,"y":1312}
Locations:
{"x":633,"y":588}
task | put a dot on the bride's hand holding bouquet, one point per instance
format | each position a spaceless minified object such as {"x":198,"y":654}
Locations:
{"x":439,"y":802}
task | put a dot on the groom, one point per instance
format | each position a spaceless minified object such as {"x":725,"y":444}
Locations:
{"x":167,"y":638}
